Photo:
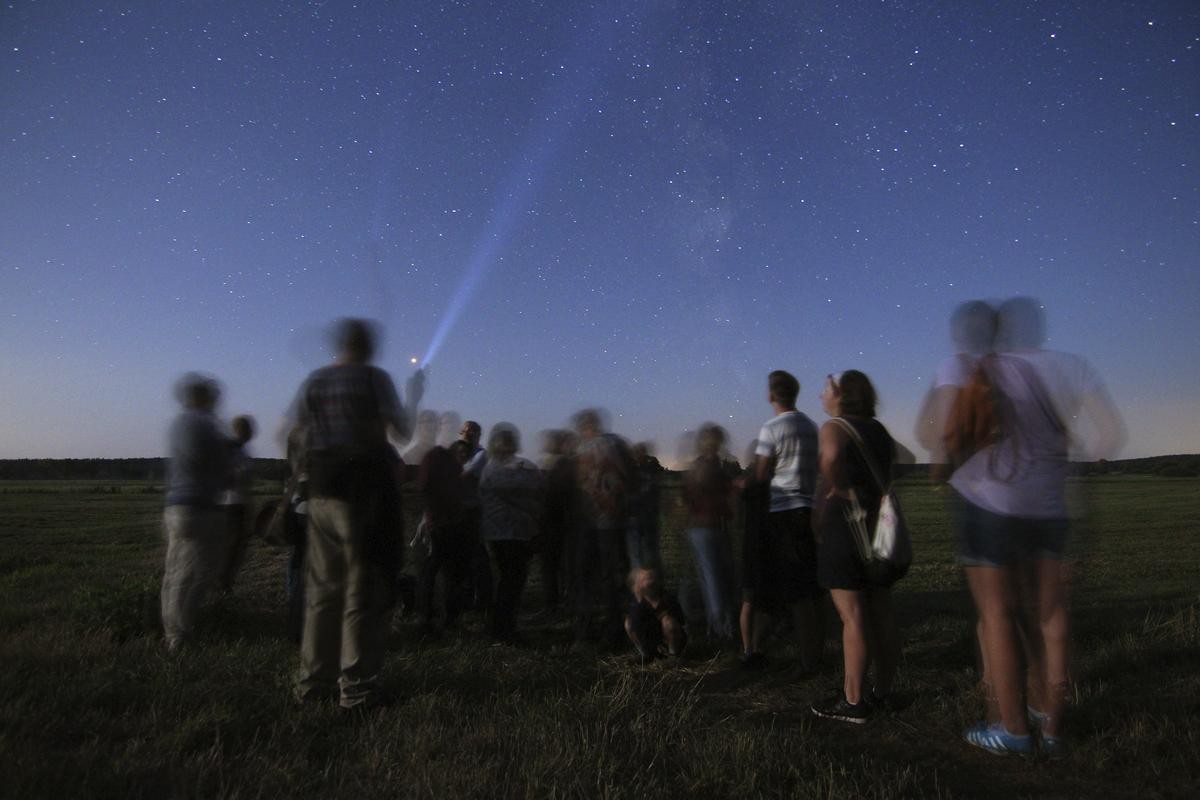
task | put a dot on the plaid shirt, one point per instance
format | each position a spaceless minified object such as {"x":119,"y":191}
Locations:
{"x":348,"y":406}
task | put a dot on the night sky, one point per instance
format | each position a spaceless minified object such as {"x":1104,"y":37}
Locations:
{"x":645,"y":206}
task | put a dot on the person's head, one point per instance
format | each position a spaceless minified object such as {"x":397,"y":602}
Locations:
{"x":588,"y":423}
{"x":243,"y":428}
{"x":710,"y":440}
{"x":461,"y":451}
{"x":449,"y":424}
{"x":849,"y":393}
{"x":973,"y":327}
{"x":427,"y":425}
{"x":554,"y":442}
{"x":470,"y":433}
{"x":354,"y":340}
{"x":1022,"y":324}
{"x":783,"y":388}
{"x":198,"y":392}
{"x":643,"y":583}
{"x":504,"y":441}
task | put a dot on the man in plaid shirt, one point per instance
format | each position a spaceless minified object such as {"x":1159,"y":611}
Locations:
{"x":347,"y":411}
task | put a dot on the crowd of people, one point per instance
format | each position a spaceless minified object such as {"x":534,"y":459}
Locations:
{"x":997,"y":423}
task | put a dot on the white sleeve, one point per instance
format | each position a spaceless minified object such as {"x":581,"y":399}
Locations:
{"x":766,"y":443}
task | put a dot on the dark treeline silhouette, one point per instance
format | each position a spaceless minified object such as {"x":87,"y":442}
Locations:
{"x":111,"y":469}
{"x":154,"y":469}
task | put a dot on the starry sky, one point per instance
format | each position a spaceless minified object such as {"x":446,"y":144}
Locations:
{"x":645,"y":206}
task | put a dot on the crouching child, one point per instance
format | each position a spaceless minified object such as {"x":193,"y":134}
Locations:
{"x":654,"y":621}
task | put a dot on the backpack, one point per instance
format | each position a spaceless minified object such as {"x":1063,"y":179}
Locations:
{"x":974,"y":419}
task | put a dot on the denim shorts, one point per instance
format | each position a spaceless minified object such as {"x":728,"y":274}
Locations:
{"x":988,"y":539}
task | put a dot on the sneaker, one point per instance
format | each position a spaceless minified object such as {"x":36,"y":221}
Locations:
{"x":837,"y":707}
{"x":998,"y":741}
{"x":1052,"y":747}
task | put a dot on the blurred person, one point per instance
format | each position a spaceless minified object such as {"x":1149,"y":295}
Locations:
{"x":557,"y":538}
{"x":654,"y":623}
{"x":236,"y":498}
{"x":449,"y":424}
{"x":605,"y":471}
{"x":642,"y":535}
{"x":973,"y":331}
{"x":1013,"y":526}
{"x":198,"y":470}
{"x":863,"y":601}
{"x":708,"y":493}
{"x":780,"y":569}
{"x":347,"y":411}
{"x":450,"y":548}
{"x":510,"y":490}
{"x":423,"y":440}
{"x":481,"y":588}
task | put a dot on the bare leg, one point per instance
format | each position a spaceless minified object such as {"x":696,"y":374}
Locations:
{"x":851,"y":607}
{"x":1053,"y":602}
{"x":746,"y":623}
{"x":994,"y":593}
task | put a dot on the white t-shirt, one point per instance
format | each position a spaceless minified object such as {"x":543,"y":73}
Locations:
{"x":790,"y":441}
{"x":1025,"y":473}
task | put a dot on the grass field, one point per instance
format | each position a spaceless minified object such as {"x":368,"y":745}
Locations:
{"x":91,"y":705}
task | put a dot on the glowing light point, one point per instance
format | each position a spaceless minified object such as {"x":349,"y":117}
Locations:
{"x":412,"y":360}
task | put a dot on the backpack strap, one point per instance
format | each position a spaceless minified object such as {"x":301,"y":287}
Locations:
{"x":845,"y":425}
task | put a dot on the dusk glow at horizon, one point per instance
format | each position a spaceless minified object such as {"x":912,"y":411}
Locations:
{"x":642,"y":206}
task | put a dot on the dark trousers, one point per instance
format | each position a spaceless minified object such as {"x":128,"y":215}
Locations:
{"x":451,"y":553}
{"x":550,"y":555}
{"x":601,"y":564}
{"x":512,"y":562}
{"x":481,"y":569}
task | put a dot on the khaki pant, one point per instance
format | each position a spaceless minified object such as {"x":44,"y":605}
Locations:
{"x":195,"y":550}
{"x":346,"y":609}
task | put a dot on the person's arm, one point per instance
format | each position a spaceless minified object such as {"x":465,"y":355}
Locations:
{"x":763,"y":469}
{"x":764,"y":456}
{"x":931,"y":421}
{"x":398,"y":422}
{"x":1110,"y":427}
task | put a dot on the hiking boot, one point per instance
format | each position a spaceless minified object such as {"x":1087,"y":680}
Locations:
{"x":837,"y":707}
{"x":998,"y":741}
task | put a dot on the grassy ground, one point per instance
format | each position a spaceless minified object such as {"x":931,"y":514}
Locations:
{"x":91,"y":706}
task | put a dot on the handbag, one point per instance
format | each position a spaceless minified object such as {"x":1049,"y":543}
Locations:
{"x":887,"y":548}
{"x":277,"y":522}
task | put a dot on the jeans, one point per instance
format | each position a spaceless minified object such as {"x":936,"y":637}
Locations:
{"x":714,"y":568}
